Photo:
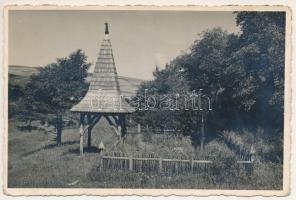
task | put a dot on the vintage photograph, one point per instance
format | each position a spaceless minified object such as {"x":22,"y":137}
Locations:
{"x":147,"y":98}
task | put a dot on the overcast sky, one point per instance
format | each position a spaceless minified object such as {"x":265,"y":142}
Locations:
{"x":140,"y":39}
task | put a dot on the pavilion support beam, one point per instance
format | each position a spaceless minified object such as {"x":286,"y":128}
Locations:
{"x":109,"y":121}
{"x":122,"y":122}
{"x":89,"y":122}
{"x":118,"y":123}
{"x":116,"y":119}
{"x":95,"y":120}
{"x":81,"y":132}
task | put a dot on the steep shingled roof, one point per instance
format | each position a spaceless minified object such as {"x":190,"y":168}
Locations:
{"x":104,"y":92}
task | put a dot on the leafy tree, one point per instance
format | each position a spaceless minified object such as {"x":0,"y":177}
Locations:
{"x":262,"y":50}
{"x":58,"y":86}
{"x":243,"y":74}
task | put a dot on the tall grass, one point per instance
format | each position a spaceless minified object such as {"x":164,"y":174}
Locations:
{"x":221,"y":176}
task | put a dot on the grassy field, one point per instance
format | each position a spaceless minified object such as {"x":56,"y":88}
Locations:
{"x":36,"y":161}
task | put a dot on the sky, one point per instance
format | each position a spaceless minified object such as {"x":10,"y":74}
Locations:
{"x":140,"y":39}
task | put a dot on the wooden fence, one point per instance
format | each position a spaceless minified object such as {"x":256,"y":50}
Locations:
{"x":140,"y":129}
{"x":164,"y":166}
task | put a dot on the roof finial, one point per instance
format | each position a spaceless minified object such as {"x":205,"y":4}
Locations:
{"x":106,"y":29}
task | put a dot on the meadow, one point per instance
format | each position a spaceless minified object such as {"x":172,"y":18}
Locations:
{"x":36,"y":161}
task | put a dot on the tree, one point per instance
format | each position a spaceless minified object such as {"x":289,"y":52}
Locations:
{"x":262,"y":50}
{"x":58,"y":86}
{"x":243,"y":74}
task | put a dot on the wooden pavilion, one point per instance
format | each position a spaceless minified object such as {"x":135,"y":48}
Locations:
{"x":103,"y":98}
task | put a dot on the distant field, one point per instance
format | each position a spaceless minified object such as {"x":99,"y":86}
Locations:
{"x":22,"y":70}
{"x":19,"y":75}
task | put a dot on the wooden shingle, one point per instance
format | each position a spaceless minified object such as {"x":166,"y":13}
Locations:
{"x":104,"y":94}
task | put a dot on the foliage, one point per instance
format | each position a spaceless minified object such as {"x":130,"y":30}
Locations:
{"x":57,"y":87}
{"x":61,"y":84}
{"x":262,"y":50}
{"x":243,"y":74}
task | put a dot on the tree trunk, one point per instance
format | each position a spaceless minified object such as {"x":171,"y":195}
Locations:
{"x":59,"y":128}
{"x":202,"y":143}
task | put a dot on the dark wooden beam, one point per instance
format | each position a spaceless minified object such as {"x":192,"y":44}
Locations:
{"x":123,"y":124}
{"x":89,"y":122}
{"x":81,"y":132}
{"x":109,"y":121}
{"x":94,"y":117}
{"x":95,"y":120}
{"x":116,"y":119}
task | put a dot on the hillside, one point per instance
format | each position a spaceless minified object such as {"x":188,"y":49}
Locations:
{"x":129,"y":86}
{"x":19,"y":75}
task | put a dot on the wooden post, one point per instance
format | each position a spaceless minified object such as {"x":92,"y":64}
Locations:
{"x":252,"y":154}
{"x":120,"y":131}
{"x":89,"y":131}
{"x":123,"y":124}
{"x":81,"y":139}
{"x":160,"y":164}
{"x":191,"y":165}
{"x":202,"y":133}
{"x":131,"y":163}
{"x":81,"y":131}
{"x":101,"y":164}
{"x":139,"y":128}
{"x":116,"y":119}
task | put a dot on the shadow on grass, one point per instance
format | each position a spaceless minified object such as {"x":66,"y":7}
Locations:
{"x":85,"y":150}
{"x":28,"y":128}
{"x":196,"y":139}
{"x":50,"y":146}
